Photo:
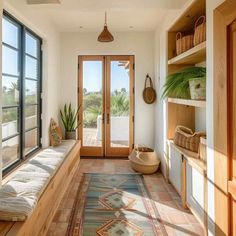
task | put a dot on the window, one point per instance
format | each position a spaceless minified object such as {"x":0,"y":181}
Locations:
{"x":21,"y":89}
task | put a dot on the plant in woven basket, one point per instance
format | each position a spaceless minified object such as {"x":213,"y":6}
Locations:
{"x":69,"y":119}
{"x":177,"y":84}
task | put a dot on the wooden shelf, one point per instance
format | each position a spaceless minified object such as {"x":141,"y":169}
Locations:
{"x":193,"y":103}
{"x":193,"y":56}
{"x":191,"y":157}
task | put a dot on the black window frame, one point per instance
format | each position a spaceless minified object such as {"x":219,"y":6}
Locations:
{"x":23,"y":30}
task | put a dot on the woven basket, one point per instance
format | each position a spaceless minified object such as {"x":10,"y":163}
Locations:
{"x":178,"y":43}
{"x":200,"y":31}
{"x":144,"y":160}
{"x":185,"y":138}
{"x":183,"y":43}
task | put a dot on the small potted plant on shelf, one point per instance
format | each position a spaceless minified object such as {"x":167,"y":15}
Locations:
{"x":69,"y":119}
{"x":189,"y":83}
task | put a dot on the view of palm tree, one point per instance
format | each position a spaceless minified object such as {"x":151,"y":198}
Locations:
{"x":93,"y":106}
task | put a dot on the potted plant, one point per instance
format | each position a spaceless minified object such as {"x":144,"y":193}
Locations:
{"x":69,"y":120}
{"x":187,"y":83}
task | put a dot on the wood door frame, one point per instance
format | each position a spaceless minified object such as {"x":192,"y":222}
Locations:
{"x":120,"y":151}
{"x":92,"y":151}
{"x":224,"y":15}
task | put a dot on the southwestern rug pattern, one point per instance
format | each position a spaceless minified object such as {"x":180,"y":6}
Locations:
{"x":114,"y":205}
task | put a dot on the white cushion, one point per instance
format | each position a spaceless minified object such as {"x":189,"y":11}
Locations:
{"x":19,"y":196}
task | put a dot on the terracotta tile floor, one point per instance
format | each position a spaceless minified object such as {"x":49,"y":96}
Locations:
{"x":177,"y":220}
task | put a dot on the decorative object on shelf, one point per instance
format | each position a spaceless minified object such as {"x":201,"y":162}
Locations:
{"x":55,"y":134}
{"x":185,"y":138}
{"x":69,"y":119}
{"x":144,"y":160}
{"x":183,"y":42}
{"x":198,"y":88}
{"x":105,"y":36}
{"x":200,"y":31}
{"x":149,"y":93}
{"x":177,"y":84}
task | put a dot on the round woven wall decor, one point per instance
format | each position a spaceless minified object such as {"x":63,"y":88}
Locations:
{"x":149,"y":93}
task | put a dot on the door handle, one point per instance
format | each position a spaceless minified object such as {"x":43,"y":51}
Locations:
{"x":108,"y":118}
{"x":103,"y":118}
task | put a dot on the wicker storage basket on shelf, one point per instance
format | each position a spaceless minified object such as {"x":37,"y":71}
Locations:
{"x":183,"y":43}
{"x":185,"y":138}
{"x":200,"y":31}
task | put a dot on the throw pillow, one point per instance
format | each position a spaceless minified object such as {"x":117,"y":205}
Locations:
{"x":55,"y":134}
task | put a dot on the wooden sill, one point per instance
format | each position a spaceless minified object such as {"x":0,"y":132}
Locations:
{"x":193,"y":56}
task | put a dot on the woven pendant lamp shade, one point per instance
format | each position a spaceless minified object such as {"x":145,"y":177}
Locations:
{"x":105,"y":36}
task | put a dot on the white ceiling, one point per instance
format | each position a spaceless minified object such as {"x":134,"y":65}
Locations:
{"x":88,"y":15}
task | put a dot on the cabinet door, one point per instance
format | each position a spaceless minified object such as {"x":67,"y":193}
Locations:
{"x":195,"y":192}
{"x":175,"y":165}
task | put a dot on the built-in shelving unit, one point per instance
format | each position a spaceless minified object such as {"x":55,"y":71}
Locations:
{"x":186,"y":169}
{"x":193,"y":103}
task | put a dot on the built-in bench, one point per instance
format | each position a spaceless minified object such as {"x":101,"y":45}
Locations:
{"x":32,"y":195}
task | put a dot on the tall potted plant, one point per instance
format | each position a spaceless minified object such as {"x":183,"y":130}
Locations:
{"x":187,"y":83}
{"x":69,"y":119}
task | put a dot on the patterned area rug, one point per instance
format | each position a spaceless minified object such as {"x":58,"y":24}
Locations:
{"x":114,"y":205}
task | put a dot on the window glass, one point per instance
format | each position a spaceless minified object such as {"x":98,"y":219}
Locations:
{"x":10,"y":151}
{"x":31,"y":117}
{"x":10,"y":33}
{"x":10,"y":91}
{"x":31,"y":69}
{"x":31,"y":140}
{"x":10,"y":122}
{"x":31,"y":45}
{"x":30,"y":91}
{"x":10,"y":61}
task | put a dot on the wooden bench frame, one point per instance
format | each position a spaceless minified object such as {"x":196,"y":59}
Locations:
{"x":39,"y":222}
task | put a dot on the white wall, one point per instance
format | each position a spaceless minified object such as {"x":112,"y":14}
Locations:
{"x":51,"y":59}
{"x":160,"y":75}
{"x":139,"y":44}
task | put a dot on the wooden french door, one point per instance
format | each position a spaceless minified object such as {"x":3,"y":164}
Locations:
{"x":106,"y":97}
{"x":232,"y":123}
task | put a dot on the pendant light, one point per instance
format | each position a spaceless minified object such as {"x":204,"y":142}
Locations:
{"x":105,"y":36}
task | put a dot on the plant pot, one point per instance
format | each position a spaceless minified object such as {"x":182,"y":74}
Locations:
{"x":70,"y":135}
{"x":198,"y":88}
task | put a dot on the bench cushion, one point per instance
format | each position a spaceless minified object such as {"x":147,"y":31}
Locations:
{"x":19,"y":196}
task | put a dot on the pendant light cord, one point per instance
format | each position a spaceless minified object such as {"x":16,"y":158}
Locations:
{"x":105,"y":18}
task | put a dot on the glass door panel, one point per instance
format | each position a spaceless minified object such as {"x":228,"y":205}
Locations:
{"x":91,"y":87}
{"x":119,"y":105}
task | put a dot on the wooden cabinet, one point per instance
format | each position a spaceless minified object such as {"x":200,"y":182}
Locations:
{"x":175,"y":165}
{"x":195,"y":192}
{"x":187,"y":173}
